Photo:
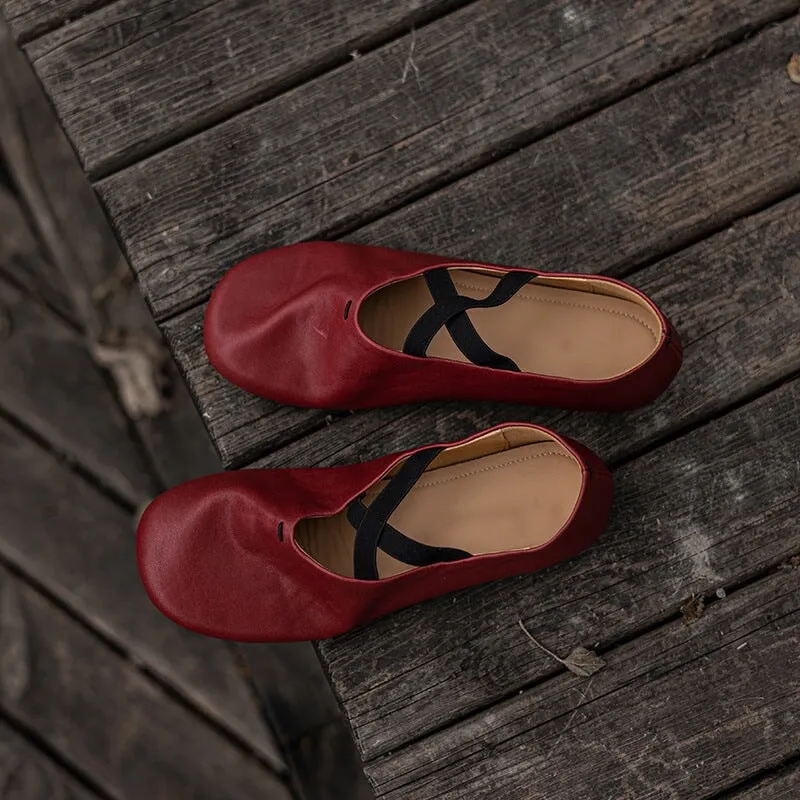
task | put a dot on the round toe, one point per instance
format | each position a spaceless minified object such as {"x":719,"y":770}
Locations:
{"x":204,"y":557}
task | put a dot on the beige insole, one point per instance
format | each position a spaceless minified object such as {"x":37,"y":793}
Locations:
{"x":512,"y":500}
{"x":546,"y":330}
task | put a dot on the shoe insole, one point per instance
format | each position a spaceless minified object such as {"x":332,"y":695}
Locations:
{"x":513,"y":500}
{"x":546,"y":330}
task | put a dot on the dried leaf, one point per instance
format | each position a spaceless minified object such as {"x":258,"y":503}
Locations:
{"x":693,"y":609}
{"x":583,"y":662}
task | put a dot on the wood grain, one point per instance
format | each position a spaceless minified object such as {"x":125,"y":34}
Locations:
{"x":213,"y":57}
{"x":51,"y":384}
{"x":134,"y":740}
{"x":573,"y":737}
{"x":31,"y":18}
{"x":27,"y":774}
{"x":81,"y":548}
{"x":358,"y":142}
{"x":702,"y":512}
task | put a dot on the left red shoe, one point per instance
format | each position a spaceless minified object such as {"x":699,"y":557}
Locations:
{"x":296,"y":554}
{"x":345,"y":326}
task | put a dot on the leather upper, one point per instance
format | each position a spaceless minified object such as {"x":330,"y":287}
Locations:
{"x":284,"y":325}
{"x":218,"y":554}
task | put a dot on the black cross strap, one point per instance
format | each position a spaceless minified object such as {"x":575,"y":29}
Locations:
{"x":373,"y":530}
{"x":449,"y":309}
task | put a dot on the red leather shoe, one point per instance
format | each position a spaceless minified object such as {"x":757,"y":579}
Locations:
{"x":296,"y":554}
{"x":344,"y":326}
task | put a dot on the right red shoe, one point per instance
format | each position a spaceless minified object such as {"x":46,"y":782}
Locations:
{"x":296,"y":554}
{"x":345,"y":326}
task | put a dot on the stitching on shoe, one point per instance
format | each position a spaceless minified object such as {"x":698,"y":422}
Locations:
{"x":479,"y":470}
{"x":520,"y":295}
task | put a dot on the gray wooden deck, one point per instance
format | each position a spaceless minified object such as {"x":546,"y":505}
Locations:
{"x":658,"y":141}
{"x":100,"y":696}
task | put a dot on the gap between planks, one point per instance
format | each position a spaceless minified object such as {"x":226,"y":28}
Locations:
{"x":70,"y":463}
{"x":43,"y":748}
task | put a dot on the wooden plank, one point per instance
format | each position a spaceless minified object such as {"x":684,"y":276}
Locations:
{"x":31,"y":18}
{"x":749,"y":270}
{"x":27,"y":774}
{"x":705,"y":511}
{"x":214,"y":57}
{"x":573,"y":737}
{"x":22,"y":260}
{"x":782,"y":786}
{"x":81,"y":547}
{"x":51,"y":384}
{"x":302,"y":710}
{"x":361,"y":141}
{"x":134,"y":740}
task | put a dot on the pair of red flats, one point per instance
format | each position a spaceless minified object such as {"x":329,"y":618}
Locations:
{"x":296,"y":554}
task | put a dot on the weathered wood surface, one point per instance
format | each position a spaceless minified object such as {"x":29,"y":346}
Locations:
{"x":212,"y":58}
{"x":81,"y":548}
{"x":51,"y":385}
{"x":42,"y":163}
{"x":31,"y":18}
{"x":680,"y":712}
{"x":351,"y":145}
{"x":88,"y":275}
{"x":27,"y":774}
{"x":655,"y":172}
{"x":59,"y":680}
{"x":702,"y":512}
{"x":710,"y":169}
